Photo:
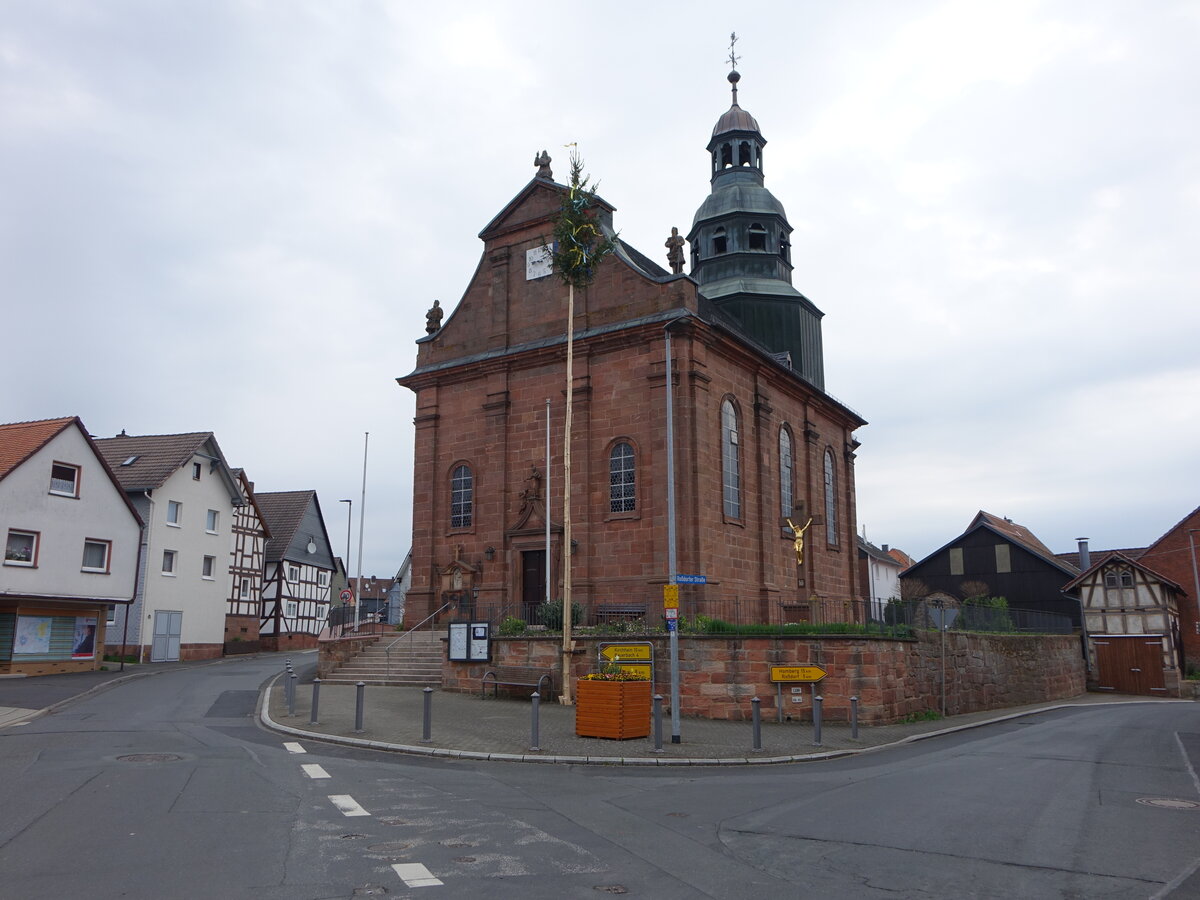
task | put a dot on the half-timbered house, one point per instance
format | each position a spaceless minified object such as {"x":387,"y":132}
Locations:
{"x":299,"y":568}
{"x":1131,"y":615}
{"x":247,"y":562}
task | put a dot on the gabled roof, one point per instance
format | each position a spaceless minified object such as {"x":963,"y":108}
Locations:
{"x":283,"y":512}
{"x":536,"y":183}
{"x":1116,"y":556}
{"x":1011,"y":531}
{"x":153,"y":458}
{"x":1166,"y":534}
{"x":248,"y":487}
{"x":1072,"y":558}
{"x":20,"y":440}
{"x":877,"y":552}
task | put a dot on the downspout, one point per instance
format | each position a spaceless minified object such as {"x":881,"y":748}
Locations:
{"x":146,"y":562}
{"x":137,"y":581}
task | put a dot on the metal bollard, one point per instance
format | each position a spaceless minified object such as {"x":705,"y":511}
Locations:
{"x":854,"y":718}
{"x":817,"y":701}
{"x":426,"y":727}
{"x":316,"y":701}
{"x":292,"y":694}
{"x":757,"y":717}
{"x":533,"y":722}
{"x":287,"y":688}
{"x":360,"y":690}
{"x":658,"y":699}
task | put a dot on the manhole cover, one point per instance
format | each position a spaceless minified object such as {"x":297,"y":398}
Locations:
{"x":464,"y":859}
{"x":1168,"y":803}
{"x":390,"y":847}
{"x":611,"y":889}
{"x":370,"y":890}
{"x":149,"y":757}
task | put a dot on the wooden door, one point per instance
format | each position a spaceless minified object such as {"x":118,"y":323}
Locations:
{"x":1129,"y":664}
{"x":533,"y":583}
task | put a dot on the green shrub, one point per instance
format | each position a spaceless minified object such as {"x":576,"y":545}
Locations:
{"x":551,"y":615}
{"x":512,"y":625}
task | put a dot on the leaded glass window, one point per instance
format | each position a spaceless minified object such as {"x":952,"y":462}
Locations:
{"x":462,"y":489}
{"x":621,"y":479}
{"x":730,"y":470}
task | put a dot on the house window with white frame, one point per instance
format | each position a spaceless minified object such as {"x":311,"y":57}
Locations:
{"x":21,"y":548}
{"x":244,"y":590}
{"x":174,"y":513}
{"x":168,"y":565}
{"x":323,"y":579}
{"x":96,"y":555}
{"x":210,"y":522}
{"x":292,"y":609}
{"x":64,"y":480}
{"x":207,"y":567}
{"x":110,"y":617}
{"x":197,"y":468}
{"x":294,"y":574}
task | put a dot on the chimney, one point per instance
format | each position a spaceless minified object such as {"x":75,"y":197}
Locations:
{"x":885,"y":548}
{"x":1085,"y":560}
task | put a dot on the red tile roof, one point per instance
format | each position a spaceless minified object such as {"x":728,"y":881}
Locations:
{"x":20,"y":440}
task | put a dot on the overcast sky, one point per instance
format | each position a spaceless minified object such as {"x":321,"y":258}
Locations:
{"x":232,"y":216}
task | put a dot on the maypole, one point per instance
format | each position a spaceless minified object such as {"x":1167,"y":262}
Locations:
{"x":579,"y":247}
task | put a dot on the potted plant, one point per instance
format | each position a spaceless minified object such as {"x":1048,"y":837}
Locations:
{"x":612,"y":703}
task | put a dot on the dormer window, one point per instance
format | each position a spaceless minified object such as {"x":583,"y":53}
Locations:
{"x":758,"y":237}
{"x":720,"y":241}
{"x":64,"y":480}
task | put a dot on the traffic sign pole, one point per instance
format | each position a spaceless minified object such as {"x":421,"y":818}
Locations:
{"x":672,"y":560}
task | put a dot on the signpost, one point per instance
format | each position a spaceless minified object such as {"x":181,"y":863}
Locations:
{"x":636,"y":657}
{"x":346,"y":595}
{"x":792,"y":675}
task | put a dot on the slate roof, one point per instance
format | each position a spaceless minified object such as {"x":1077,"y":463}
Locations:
{"x":283,"y":511}
{"x":158,"y":456}
{"x":1072,"y":558}
{"x":20,"y":440}
{"x":877,"y":552}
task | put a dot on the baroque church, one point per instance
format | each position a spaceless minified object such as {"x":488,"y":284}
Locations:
{"x":758,"y":443}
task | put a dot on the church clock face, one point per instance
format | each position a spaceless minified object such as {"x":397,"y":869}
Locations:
{"x":539,"y":262}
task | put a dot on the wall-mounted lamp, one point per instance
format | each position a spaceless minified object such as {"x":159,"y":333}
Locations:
{"x":489,"y":554}
{"x":574,"y":546}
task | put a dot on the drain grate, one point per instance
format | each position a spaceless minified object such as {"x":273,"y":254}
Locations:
{"x":1168,"y":803}
{"x":464,"y":859}
{"x":611,"y":889}
{"x":149,"y":757}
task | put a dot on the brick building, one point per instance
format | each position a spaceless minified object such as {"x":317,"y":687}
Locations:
{"x":757,"y":439}
{"x":1175,"y":556}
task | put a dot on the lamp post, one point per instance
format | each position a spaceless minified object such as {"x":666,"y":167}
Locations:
{"x":349,"y":519}
{"x":362,"y":508}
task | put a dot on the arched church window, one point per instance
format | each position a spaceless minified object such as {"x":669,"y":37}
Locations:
{"x":726,"y":155}
{"x":786,"y":497}
{"x":731,"y":478}
{"x":744,"y":158}
{"x":831,"y":526}
{"x":621,"y":479}
{"x":720,"y":241}
{"x":758,"y":237}
{"x":462,"y":491}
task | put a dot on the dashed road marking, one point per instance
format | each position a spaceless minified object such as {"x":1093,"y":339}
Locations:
{"x":415,"y":875}
{"x":293,"y":747}
{"x":347,"y":805}
{"x":312,"y":770}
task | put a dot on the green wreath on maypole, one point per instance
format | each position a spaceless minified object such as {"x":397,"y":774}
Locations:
{"x":579,"y":247}
{"x":579,"y":244}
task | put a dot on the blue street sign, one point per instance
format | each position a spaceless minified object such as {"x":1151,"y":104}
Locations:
{"x":690,"y":579}
{"x":672,"y":624}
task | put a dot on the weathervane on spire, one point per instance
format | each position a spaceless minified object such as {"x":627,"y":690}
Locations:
{"x":734,"y":77}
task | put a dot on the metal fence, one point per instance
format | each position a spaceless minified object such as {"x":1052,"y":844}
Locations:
{"x":987,"y":615}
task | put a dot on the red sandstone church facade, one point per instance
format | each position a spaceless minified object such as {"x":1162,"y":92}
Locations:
{"x":757,"y":439}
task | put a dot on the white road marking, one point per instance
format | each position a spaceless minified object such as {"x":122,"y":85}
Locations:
{"x":347,"y":805}
{"x":312,"y":770}
{"x":415,"y":875}
{"x":293,"y":747}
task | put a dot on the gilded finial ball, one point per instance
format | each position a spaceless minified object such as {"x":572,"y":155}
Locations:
{"x":734,"y":77}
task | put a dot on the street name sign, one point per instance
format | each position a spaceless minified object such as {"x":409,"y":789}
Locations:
{"x":691,"y":579}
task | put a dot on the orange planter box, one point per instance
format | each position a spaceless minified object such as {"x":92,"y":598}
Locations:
{"x":612,"y":709}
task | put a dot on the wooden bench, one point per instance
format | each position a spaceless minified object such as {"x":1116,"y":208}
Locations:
{"x":517,"y":676}
{"x":602,"y":613}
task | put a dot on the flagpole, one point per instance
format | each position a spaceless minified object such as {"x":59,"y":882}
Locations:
{"x":546,"y":504}
{"x":362,"y":511}
{"x":565,"y":697}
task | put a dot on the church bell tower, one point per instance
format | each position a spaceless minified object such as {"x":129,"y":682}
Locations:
{"x":741,"y":250}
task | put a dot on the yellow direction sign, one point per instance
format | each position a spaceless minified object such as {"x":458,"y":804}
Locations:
{"x":627,"y":652}
{"x":797,"y":673}
{"x":643,"y":669}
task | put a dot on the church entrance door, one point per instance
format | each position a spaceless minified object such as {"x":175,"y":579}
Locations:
{"x":533,"y":583}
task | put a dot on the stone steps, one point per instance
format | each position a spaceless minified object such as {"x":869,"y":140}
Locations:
{"x":416,"y":661}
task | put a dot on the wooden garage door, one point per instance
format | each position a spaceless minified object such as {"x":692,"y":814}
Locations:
{"x":1129,"y":665}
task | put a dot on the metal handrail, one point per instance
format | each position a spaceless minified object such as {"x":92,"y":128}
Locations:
{"x":387,"y":651}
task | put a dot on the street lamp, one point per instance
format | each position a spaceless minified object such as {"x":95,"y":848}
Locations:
{"x":349,"y":519}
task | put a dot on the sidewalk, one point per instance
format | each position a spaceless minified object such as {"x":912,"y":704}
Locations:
{"x":468,"y":726}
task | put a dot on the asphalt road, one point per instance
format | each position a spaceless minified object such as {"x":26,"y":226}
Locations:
{"x":165,"y":787}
